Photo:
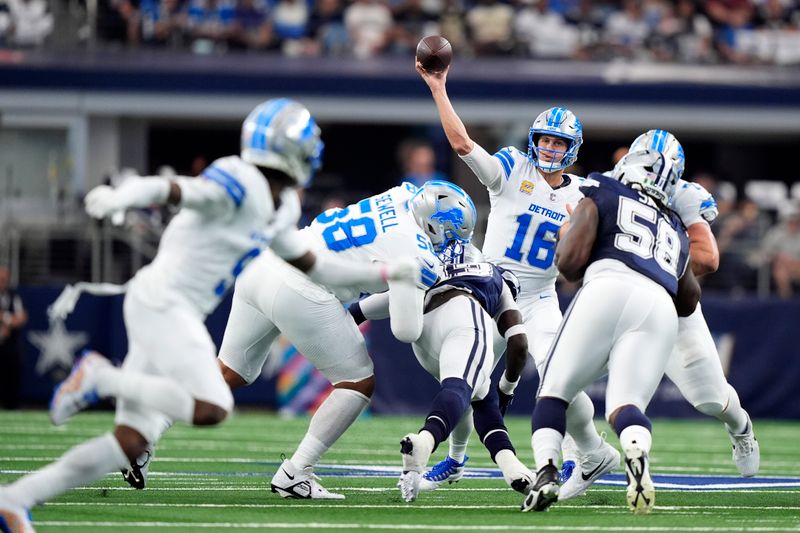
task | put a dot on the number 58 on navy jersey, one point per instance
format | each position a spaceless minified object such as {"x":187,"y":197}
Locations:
{"x":634,"y":230}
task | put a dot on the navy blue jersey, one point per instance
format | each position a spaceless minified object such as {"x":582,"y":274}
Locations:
{"x":483,"y":280}
{"x":633,"y":229}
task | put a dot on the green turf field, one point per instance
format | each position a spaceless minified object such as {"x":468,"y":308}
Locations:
{"x":217,"y":479}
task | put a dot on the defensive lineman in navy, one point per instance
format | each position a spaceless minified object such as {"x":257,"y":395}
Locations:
{"x":632,"y":253}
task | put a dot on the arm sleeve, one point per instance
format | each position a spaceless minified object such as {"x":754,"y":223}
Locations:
{"x":334,"y":272}
{"x":206,"y":196}
{"x":373,"y":307}
{"x":290,"y":244}
{"x":491,"y":170}
{"x":406,"y":311}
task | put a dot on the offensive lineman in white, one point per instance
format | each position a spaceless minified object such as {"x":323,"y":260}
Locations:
{"x":273,"y":298}
{"x":235,"y":208}
{"x":531,"y":198}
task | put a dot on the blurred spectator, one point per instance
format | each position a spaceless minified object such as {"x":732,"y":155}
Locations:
{"x":738,"y":231}
{"x":412,"y":23}
{"x":198,"y":165}
{"x":118,"y":21}
{"x":368,"y":24}
{"x":452,"y":26}
{"x":253,"y":28}
{"x":544,"y":32}
{"x":25,"y":23}
{"x":12,"y":318}
{"x":325,"y":32}
{"x":210,"y":24}
{"x":490,"y":27}
{"x":289,"y":21}
{"x":627,"y":30}
{"x":162,"y":22}
{"x":731,"y":19}
{"x":418,"y":163}
{"x":781,"y":248}
{"x":588,"y":17}
{"x":686,"y":34}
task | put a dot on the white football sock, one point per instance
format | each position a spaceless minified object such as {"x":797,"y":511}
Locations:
{"x":733,"y":415}
{"x":80,"y":466}
{"x":459,"y":437}
{"x":156,"y":392}
{"x":580,"y":425}
{"x":638,"y":435}
{"x":546,"y":444}
{"x":334,"y":416}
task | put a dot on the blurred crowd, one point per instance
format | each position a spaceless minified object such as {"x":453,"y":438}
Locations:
{"x":687,"y":31}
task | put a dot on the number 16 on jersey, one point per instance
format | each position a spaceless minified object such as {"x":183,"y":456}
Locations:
{"x":543,"y":247}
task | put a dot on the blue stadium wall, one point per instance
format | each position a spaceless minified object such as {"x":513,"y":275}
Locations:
{"x":758,"y":339}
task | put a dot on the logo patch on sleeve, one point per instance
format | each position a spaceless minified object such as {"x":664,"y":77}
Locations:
{"x":526,"y":187}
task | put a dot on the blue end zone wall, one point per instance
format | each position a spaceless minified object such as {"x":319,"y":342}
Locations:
{"x":758,"y":340}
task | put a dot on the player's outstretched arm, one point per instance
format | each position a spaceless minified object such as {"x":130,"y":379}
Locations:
{"x":134,"y":192}
{"x":703,"y":249}
{"x":688,"y":294}
{"x":406,"y":304}
{"x":575,"y":246}
{"x":373,"y":307}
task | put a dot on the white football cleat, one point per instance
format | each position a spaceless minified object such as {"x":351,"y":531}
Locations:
{"x":292,"y":482}
{"x":415,"y":451}
{"x":14,"y":519}
{"x":641,"y":493}
{"x":746,"y":453}
{"x":409,"y":485}
{"x":590,"y":467}
{"x":78,"y":391}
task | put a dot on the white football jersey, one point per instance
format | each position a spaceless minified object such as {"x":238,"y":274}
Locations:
{"x":524,"y":220}
{"x":379,"y":228}
{"x":227,"y":217}
{"x":693,"y":203}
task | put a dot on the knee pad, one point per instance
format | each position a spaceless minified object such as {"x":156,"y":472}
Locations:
{"x":710,"y":408}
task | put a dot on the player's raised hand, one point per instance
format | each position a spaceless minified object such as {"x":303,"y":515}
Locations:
{"x":433,"y":79}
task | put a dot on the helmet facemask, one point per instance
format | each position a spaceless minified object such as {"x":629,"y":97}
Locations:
{"x":556,"y":122}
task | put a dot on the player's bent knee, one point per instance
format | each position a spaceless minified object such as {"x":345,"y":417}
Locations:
{"x":710,"y":408}
{"x":365,"y":386}
{"x":132,"y":442}
{"x":208,"y":414}
{"x":232,"y":378}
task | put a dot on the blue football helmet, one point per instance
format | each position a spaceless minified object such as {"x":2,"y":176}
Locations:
{"x":558,"y":122}
{"x":649,"y":171}
{"x":664,"y":142}
{"x":444,"y":212}
{"x":281,"y":134}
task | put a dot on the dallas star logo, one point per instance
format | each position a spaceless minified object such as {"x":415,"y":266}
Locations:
{"x":57,"y":346}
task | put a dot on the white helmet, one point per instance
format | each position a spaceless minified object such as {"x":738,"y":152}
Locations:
{"x":664,"y":142}
{"x":650,"y":171}
{"x":444,"y":212}
{"x":558,"y":122}
{"x":281,"y":134}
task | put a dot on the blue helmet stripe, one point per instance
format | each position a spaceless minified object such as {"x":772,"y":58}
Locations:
{"x":263,"y":121}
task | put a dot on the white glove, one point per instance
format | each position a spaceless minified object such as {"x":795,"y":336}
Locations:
{"x":103,"y":201}
{"x":404,"y":270}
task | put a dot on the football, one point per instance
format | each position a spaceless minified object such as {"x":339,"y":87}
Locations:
{"x":434,"y":53}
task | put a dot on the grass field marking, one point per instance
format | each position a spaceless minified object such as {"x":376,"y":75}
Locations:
{"x":413,"y":527}
{"x":419,"y":505}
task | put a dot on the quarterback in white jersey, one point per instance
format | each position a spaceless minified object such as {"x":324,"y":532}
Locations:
{"x":270,"y":298}
{"x":531,"y":197}
{"x":694,"y":365}
{"x":228,"y":214}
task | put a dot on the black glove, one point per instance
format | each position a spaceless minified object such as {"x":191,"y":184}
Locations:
{"x":505,"y":401}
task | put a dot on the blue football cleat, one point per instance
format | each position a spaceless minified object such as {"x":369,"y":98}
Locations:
{"x":566,"y":471}
{"x":448,"y":470}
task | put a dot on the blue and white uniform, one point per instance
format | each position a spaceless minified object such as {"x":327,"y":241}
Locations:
{"x":526,"y":214}
{"x":623,"y":320}
{"x":272,"y":297}
{"x":457,"y":336}
{"x":227,"y":217}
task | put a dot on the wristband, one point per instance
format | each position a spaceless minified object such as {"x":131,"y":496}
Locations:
{"x":507,"y":387}
{"x":518,"y":329}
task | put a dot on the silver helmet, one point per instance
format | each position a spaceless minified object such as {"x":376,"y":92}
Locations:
{"x":281,"y":134}
{"x":444,"y":212}
{"x":649,"y":171}
{"x":558,"y":122}
{"x":664,"y":142}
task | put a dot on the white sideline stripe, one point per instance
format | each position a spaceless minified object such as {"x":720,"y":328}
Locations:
{"x":423,"y":527}
{"x":417,"y":506}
